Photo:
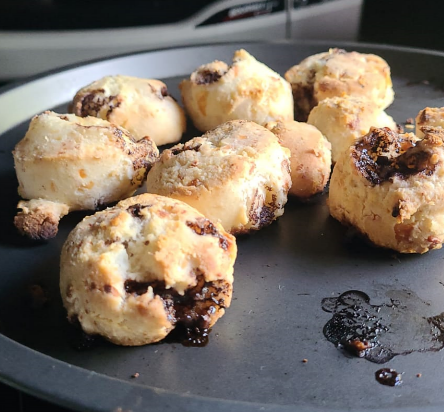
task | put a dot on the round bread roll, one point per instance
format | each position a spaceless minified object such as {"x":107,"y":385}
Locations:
{"x":248,"y":89}
{"x":338,"y":73}
{"x":134,"y":272}
{"x":142,"y":106}
{"x":237,"y":174}
{"x":344,"y":120}
{"x":390,"y":187}
{"x":430,"y":116}
{"x":67,"y":163}
{"x":310,"y":157}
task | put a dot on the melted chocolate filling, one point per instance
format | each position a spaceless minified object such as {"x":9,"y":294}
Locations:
{"x":208,"y":77}
{"x":375,"y":158}
{"x":189,"y":312}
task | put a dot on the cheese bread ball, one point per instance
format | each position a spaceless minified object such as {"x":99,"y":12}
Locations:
{"x":339,"y":73}
{"x":134,"y":272}
{"x":67,"y":163}
{"x":390,"y":187}
{"x":344,"y":120}
{"x":142,"y":106}
{"x":310,"y":159}
{"x":430,"y":116}
{"x":216,"y":93}
{"x":237,"y":174}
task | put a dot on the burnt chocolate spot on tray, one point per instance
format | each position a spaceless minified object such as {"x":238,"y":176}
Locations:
{"x":380,"y":332}
{"x":189,"y":312}
{"x":388,"y":377}
{"x":203,"y":226}
{"x":382,"y":154}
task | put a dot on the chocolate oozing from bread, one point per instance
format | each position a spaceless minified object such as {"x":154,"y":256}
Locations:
{"x":383,"y":154}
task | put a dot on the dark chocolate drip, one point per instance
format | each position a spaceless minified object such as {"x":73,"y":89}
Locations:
{"x":380,"y":332}
{"x":388,"y":377}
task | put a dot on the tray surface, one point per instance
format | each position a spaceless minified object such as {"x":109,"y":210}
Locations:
{"x":254,"y":359}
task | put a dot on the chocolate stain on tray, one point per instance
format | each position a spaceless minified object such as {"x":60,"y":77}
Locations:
{"x":380,"y":332}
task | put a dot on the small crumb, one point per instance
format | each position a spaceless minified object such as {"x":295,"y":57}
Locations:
{"x":410,"y":120}
{"x":425,"y":82}
{"x":304,"y":360}
{"x":135,"y":375}
{"x":38,"y":297}
{"x":409,"y":126}
{"x":418,"y":375}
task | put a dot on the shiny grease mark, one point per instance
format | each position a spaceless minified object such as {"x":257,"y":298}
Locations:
{"x":380,"y":332}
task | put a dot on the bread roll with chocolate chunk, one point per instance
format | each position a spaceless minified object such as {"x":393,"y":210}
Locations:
{"x":344,"y":120}
{"x":339,"y":73}
{"x":237,"y":174}
{"x":67,"y":163}
{"x":390,"y":187}
{"x":310,"y":159}
{"x":134,"y":272}
{"x":430,"y":116}
{"x":142,"y":106}
{"x":248,"y":89}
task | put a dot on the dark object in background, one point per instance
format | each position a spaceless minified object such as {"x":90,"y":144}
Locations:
{"x":403,"y":22}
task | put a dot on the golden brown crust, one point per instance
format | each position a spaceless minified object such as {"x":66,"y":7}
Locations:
{"x":310,"y":159}
{"x":430,"y":116}
{"x":39,"y":219}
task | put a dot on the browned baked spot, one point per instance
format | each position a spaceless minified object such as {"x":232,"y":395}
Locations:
{"x":263,"y":216}
{"x":202,"y":226}
{"x":37,"y":226}
{"x":383,"y":154}
{"x":187,"y":146}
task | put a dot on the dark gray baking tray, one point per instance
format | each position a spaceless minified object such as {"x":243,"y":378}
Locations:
{"x":254,"y":360}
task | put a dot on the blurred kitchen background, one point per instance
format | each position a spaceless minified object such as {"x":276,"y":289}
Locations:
{"x":41,"y":35}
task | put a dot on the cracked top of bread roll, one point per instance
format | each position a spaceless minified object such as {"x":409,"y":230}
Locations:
{"x":216,"y":93}
{"x":344,"y":120}
{"x":142,"y":106}
{"x":339,"y":73}
{"x":237,"y":174}
{"x":134,"y":272}
{"x":390,"y":187}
